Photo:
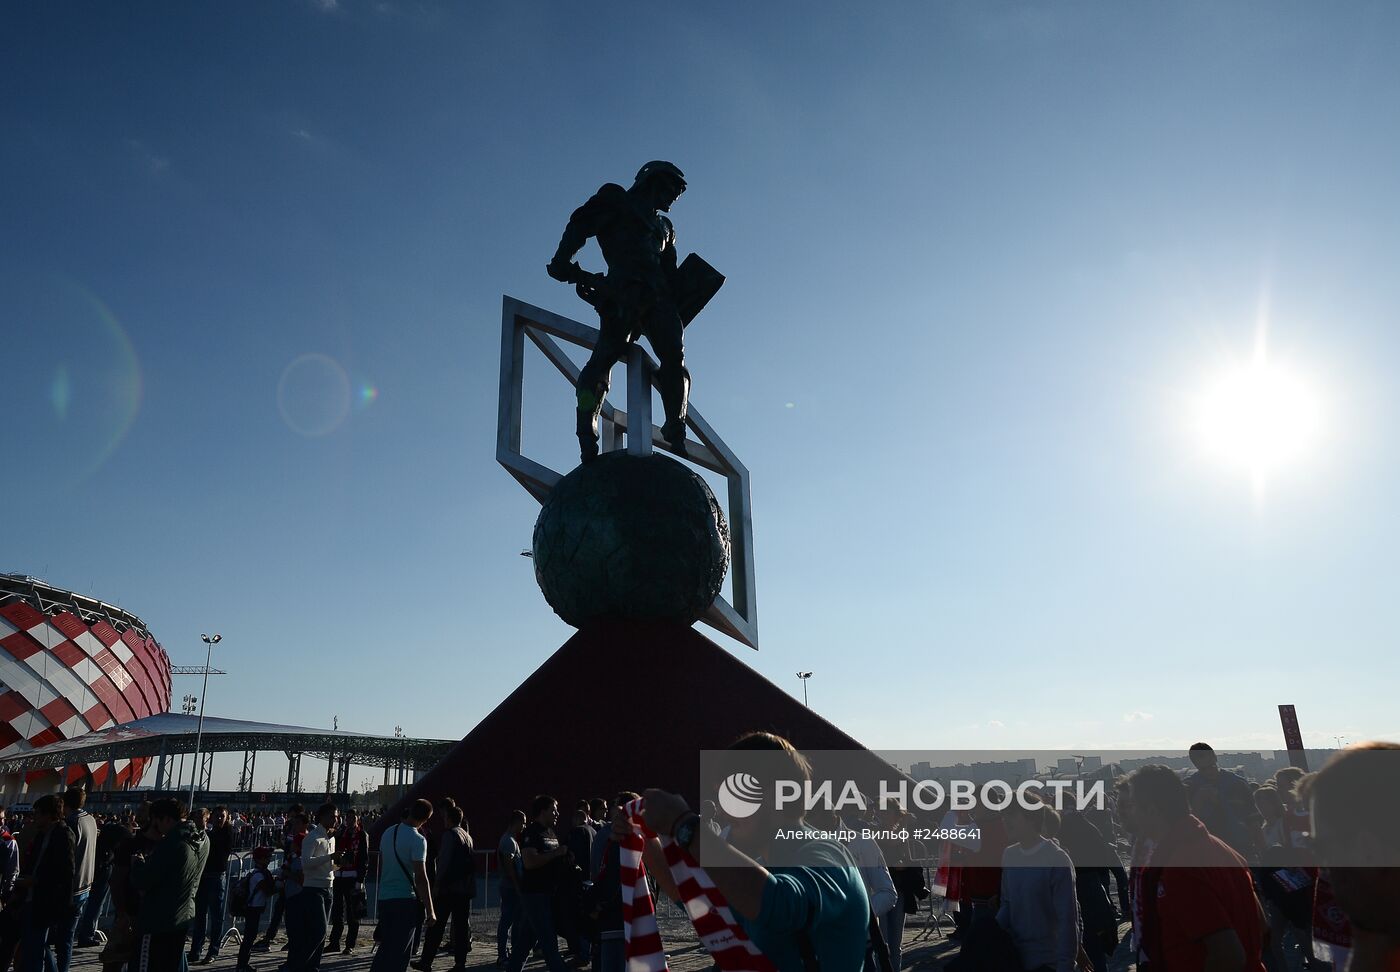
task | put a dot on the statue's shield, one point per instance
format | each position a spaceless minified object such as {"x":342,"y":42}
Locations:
{"x":695,"y":283}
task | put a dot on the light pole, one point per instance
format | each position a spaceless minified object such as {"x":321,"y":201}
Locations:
{"x":187,"y":705}
{"x":804,"y":676}
{"x":209,"y":641}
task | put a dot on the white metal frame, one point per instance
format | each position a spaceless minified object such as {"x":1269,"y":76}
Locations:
{"x":520,"y":320}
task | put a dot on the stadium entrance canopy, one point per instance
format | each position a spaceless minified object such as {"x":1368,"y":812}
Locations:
{"x":166,"y":735}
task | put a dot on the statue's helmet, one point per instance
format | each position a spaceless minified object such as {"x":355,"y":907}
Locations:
{"x":656,"y":168}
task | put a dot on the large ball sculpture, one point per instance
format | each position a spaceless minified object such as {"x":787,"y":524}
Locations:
{"x":631,"y":537}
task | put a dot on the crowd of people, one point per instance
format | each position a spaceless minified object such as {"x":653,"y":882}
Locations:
{"x":1204,"y":872}
{"x":166,"y":874}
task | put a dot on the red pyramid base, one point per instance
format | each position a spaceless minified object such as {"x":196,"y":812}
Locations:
{"x":620,"y":706}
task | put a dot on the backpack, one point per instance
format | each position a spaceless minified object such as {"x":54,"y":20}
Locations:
{"x":239,"y":895}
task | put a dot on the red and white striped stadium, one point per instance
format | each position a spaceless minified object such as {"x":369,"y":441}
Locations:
{"x":69,"y":665}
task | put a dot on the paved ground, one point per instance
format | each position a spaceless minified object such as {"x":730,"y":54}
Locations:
{"x":925,"y":947}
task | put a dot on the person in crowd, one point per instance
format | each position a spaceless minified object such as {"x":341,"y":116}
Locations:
{"x":907,"y":875}
{"x":982,"y":943}
{"x":9,"y":858}
{"x":579,"y":840}
{"x":403,"y":888}
{"x":260,"y":887}
{"x":606,"y":898}
{"x":1139,"y":849}
{"x":1283,"y":893}
{"x":1220,"y":799}
{"x":1199,"y":909}
{"x":1352,"y":802}
{"x":879,"y":885}
{"x":981,"y":863}
{"x":291,"y":827}
{"x":1269,"y":806}
{"x":509,"y":872}
{"x":1296,"y":822}
{"x":580,"y":837}
{"x":126,"y":900}
{"x":1096,"y":865}
{"x":1037,"y":905}
{"x":10,"y":925}
{"x":347,"y":891}
{"x":84,"y":827}
{"x":599,"y":818}
{"x":309,"y":911}
{"x":167,"y":879}
{"x":432,"y":833}
{"x":818,"y":906}
{"x":1286,"y":780}
{"x":110,"y":835}
{"x":454,"y":886}
{"x":48,"y":884}
{"x":545,"y":862}
{"x":213,"y":889}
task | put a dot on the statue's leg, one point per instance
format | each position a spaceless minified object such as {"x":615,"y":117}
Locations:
{"x":666,"y":334}
{"x":593,"y":382}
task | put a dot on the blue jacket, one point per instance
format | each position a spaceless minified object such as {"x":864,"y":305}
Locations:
{"x":823,"y":899}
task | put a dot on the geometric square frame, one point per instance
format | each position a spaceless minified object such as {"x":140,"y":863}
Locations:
{"x":631,"y":430}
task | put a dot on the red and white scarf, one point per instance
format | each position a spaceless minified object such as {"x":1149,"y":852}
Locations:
{"x":709,"y":912}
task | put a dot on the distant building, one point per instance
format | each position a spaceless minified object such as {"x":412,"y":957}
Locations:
{"x":70,"y":665}
{"x":1073,"y":766}
{"x":1009,"y":771}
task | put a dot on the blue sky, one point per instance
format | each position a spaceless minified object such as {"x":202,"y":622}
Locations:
{"x":979,"y":255}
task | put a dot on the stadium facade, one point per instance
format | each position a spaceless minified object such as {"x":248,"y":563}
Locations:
{"x":69,"y":665}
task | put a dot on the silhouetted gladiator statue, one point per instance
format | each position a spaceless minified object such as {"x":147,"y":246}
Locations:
{"x":643,"y":293}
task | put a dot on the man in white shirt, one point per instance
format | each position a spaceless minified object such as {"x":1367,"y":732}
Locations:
{"x":308,"y":913}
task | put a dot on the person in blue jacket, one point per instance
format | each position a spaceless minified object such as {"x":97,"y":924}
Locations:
{"x":817,"y":905}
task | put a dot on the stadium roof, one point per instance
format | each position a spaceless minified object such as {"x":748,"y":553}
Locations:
{"x":172,"y":733}
{"x":51,"y":600}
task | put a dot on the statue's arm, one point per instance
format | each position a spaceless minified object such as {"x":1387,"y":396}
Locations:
{"x":668,"y":252}
{"x":583,"y":224}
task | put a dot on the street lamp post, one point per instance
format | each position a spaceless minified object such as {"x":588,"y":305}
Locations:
{"x":209,"y":641}
{"x":187,"y":705}
{"x":804,"y":676}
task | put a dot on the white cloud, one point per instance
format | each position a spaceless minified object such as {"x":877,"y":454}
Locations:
{"x":1137,"y":717}
{"x":995,"y":724}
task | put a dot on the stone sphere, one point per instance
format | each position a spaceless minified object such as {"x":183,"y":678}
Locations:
{"x":631,"y":537}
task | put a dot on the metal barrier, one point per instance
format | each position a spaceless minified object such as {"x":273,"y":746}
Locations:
{"x":240,"y":863}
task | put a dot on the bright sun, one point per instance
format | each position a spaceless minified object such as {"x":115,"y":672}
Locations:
{"x":1258,"y":417}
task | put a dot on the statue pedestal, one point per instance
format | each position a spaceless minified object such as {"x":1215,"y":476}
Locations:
{"x":620,"y":706}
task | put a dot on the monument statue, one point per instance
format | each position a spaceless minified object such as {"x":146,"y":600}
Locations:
{"x":644,"y":292}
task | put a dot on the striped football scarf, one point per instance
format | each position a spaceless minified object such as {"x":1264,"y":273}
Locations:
{"x":714,"y":923}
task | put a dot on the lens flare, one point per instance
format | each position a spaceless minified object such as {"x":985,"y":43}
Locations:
{"x":78,"y":391}
{"x":61,"y":391}
{"x":313,"y":395}
{"x":366,"y":396}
